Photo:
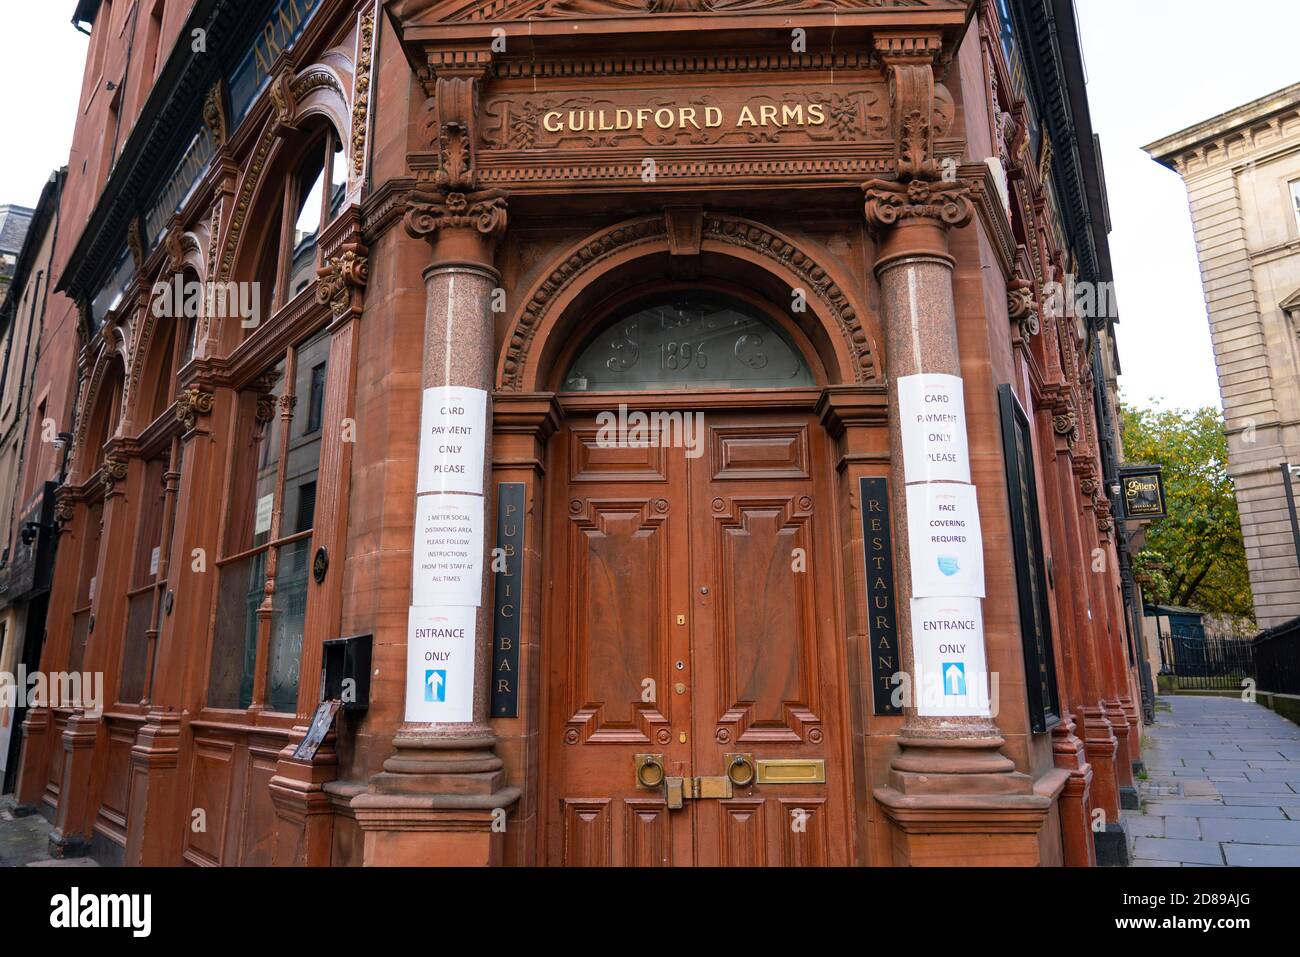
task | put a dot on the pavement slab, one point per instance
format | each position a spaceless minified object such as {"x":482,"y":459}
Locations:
{"x":1223,"y":787}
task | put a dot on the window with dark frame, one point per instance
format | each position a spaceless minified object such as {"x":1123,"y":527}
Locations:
{"x":312,"y":198}
{"x":268,"y":536}
{"x":1027,"y":551}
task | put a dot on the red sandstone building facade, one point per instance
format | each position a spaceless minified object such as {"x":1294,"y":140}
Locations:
{"x":785,"y":221}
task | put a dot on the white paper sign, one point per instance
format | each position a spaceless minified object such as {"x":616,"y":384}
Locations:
{"x":452,"y":426}
{"x":447,"y":558}
{"x":932,"y":419}
{"x":950,"y":674}
{"x":440,"y":664}
{"x":153,"y":560}
{"x":262,"y":522}
{"x":943,"y":533}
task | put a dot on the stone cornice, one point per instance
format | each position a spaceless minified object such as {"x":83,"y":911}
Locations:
{"x":1214,"y":133}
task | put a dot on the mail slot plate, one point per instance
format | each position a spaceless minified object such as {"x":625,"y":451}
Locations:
{"x":791,"y":770}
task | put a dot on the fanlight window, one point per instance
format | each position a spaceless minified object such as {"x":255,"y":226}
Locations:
{"x":689,"y":341}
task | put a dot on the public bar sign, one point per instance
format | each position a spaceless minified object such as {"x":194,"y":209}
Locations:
{"x":507,"y":560}
{"x":946,"y":543}
{"x":932,"y":420}
{"x":440,"y":664}
{"x":1144,"y":493}
{"x":453,"y":424}
{"x":951,"y":676}
{"x":882,"y":624}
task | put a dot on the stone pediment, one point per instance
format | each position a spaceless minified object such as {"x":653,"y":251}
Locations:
{"x":469,"y":11}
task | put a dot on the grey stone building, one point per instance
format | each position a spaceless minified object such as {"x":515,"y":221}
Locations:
{"x":1242,"y":172}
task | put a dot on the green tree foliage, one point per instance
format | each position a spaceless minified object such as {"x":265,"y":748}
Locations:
{"x":1196,"y":556}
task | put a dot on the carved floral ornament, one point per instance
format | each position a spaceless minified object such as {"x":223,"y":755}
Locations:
{"x":64,"y":511}
{"x":429,"y":211}
{"x":113,"y":471}
{"x":191,"y":404}
{"x":889,"y":202}
{"x":1022,"y":307}
{"x":341,"y":280}
{"x":1066,"y":423}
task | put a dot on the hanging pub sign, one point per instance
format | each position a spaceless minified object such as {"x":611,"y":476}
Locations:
{"x":1144,"y":491}
{"x":507,"y":559}
{"x":882,"y":631}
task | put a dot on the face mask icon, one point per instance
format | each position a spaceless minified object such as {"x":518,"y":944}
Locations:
{"x":948,"y":565}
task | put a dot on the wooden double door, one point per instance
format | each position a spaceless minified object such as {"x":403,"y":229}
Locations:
{"x":694,"y":700}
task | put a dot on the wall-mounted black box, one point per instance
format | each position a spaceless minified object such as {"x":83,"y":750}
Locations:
{"x":345,"y":671}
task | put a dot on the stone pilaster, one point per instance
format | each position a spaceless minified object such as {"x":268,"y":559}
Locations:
{"x":950,"y":787}
{"x":442,"y":794}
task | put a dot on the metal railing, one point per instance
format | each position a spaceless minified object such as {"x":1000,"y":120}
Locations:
{"x":1210,"y":663}
{"x":1277,"y":658}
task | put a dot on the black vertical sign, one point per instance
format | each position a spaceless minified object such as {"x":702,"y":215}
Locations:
{"x":507,"y":561}
{"x":882,"y":631}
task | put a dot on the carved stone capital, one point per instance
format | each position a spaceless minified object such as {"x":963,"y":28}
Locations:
{"x":342,"y":281}
{"x":429,"y":212}
{"x":945,"y":204}
{"x":192,"y":403}
{"x":113,"y":471}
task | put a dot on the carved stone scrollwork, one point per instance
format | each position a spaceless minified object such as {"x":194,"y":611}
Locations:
{"x":63,"y":512}
{"x":135,"y":242}
{"x":428,"y":212}
{"x":341,"y":282}
{"x":1067,"y":424}
{"x":361,"y":95}
{"x":450,"y":198}
{"x":1022,"y":308}
{"x":214,"y":115}
{"x":175,"y":251}
{"x":113,"y":471}
{"x":922,"y":190}
{"x":265,"y":410}
{"x":890,"y":202}
{"x":283,"y":100}
{"x":191,"y":404}
{"x":1105,"y":523}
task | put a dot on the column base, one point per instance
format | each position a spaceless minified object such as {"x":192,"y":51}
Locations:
{"x":304,"y":827}
{"x":440,"y":801}
{"x":1129,"y":800}
{"x":1111,"y":845}
{"x":61,"y":846}
{"x":1100,"y":746}
{"x":75,"y":815}
{"x":1076,"y":826}
{"x":1124,"y":752}
{"x":155,"y":782}
{"x":959,"y":801}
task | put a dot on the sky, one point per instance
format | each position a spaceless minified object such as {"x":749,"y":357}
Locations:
{"x":1154,"y":67}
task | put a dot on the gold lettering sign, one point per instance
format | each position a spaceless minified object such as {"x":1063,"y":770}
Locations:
{"x":622,"y":119}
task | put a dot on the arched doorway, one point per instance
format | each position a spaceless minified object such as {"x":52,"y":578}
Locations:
{"x":694,"y":709}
